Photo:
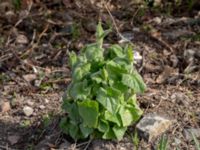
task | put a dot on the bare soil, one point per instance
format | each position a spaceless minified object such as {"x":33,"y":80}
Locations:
{"x":34,"y":71}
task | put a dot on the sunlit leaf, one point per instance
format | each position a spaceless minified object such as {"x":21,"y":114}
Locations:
{"x":89,"y":111}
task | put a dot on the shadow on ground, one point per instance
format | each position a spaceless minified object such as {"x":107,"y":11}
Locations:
{"x":36,"y":136}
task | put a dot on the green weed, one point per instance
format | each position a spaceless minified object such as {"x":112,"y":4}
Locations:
{"x":101,"y":99}
{"x":197,"y":144}
{"x":16,"y":4}
{"x":135,"y":140}
{"x":163,"y":143}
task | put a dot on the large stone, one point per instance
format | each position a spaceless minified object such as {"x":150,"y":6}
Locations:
{"x":152,"y":126}
{"x":191,"y":131}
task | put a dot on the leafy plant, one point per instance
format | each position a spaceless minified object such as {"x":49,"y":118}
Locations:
{"x":101,"y":99}
{"x":163,"y":143}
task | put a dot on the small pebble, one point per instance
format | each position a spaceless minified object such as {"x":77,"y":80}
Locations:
{"x":30,"y":103}
{"x":5,"y":107}
{"x":42,"y":107}
{"x":28,"y":111}
{"x":22,"y":39}
{"x":13,"y":139}
{"x":46,"y":100}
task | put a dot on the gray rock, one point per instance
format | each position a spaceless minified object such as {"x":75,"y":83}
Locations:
{"x":28,"y":111}
{"x":188,"y":133}
{"x":152,"y":126}
{"x":13,"y":139}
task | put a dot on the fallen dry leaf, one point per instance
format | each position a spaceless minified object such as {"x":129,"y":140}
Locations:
{"x":29,"y":77}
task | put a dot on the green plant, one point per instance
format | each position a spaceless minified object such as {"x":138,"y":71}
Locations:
{"x":191,"y":3}
{"x":101,"y":99}
{"x":197,"y":144}
{"x":16,"y":4}
{"x":75,"y":31}
{"x":135,"y":140}
{"x":163,"y":143}
{"x":46,"y":120}
{"x":25,"y":123}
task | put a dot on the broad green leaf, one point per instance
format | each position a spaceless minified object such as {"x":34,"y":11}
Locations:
{"x":115,"y":51}
{"x":109,"y":134}
{"x":126,"y":116}
{"x":120,"y":86}
{"x":94,"y":53}
{"x":97,"y":76}
{"x":114,"y":70}
{"x":112,"y":117}
{"x":95,"y":88}
{"x":123,"y":62}
{"x":85,"y":130}
{"x":72,"y":58}
{"x":108,"y":102}
{"x":96,"y":66}
{"x":112,"y":92}
{"x":103,"y":126}
{"x":66,"y":103}
{"x":73,"y":113}
{"x":134,"y":81}
{"x":139,"y":81}
{"x":73,"y":131}
{"x":81,"y":59}
{"x":134,"y":107}
{"x":79,"y":90}
{"x":135,"y":111}
{"x":119,"y":132}
{"x":64,"y":125}
{"x":132,"y":100}
{"x":89,"y":112}
{"x":81,"y":71}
